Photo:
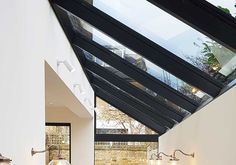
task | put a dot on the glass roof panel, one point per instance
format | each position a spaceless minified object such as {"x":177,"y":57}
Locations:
{"x":228,"y":6}
{"x":159,"y":98}
{"x":174,"y":35}
{"x":110,"y":120}
{"x":120,"y":50}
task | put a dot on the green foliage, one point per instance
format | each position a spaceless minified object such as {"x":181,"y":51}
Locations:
{"x":210,"y":57}
{"x":227,"y":11}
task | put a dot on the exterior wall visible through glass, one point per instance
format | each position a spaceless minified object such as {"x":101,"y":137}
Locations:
{"x":110,"y":120}
{"x":124,"y":153}
{"x":58,"y":135}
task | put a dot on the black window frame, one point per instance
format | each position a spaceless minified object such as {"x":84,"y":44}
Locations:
{"x":62,"y":124}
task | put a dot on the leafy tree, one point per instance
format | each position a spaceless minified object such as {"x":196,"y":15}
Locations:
{"x":115,"y":118}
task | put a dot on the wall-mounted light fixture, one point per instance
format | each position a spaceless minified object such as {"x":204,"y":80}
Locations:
{"x":67,"y":65}
{"x":174,"y":158}
{"x":159,"y":155}
{"x":87,"y":102}
{"x":79,"y":87}
{"x":4,"y":160}
{"x":158,"y":158}
{"x":59,"y":161}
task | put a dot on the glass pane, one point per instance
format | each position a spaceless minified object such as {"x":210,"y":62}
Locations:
{"x":124,"y":153}
{"x":228,"y":6}
{"x":173,"y":35}
{"x":166,"y":102}
{"x":137,"y":60}
{"x":58,"y":136}
{"x":110,"y":120}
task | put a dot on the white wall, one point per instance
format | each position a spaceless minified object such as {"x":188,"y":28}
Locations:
{"x":210,"y":133}
{"x":66,"y":108}
{"x":30,"y":34}
{"x":82,"y":137}
{"x":59,"y":94}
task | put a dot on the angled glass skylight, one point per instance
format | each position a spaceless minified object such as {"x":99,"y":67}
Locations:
{"x":110,"y":120}
{"x":174,"y":35}
{"x":127,"y":73}
{"x":159,"y":98}
{"x":228,"y":6}
{"x":82,"y":27}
